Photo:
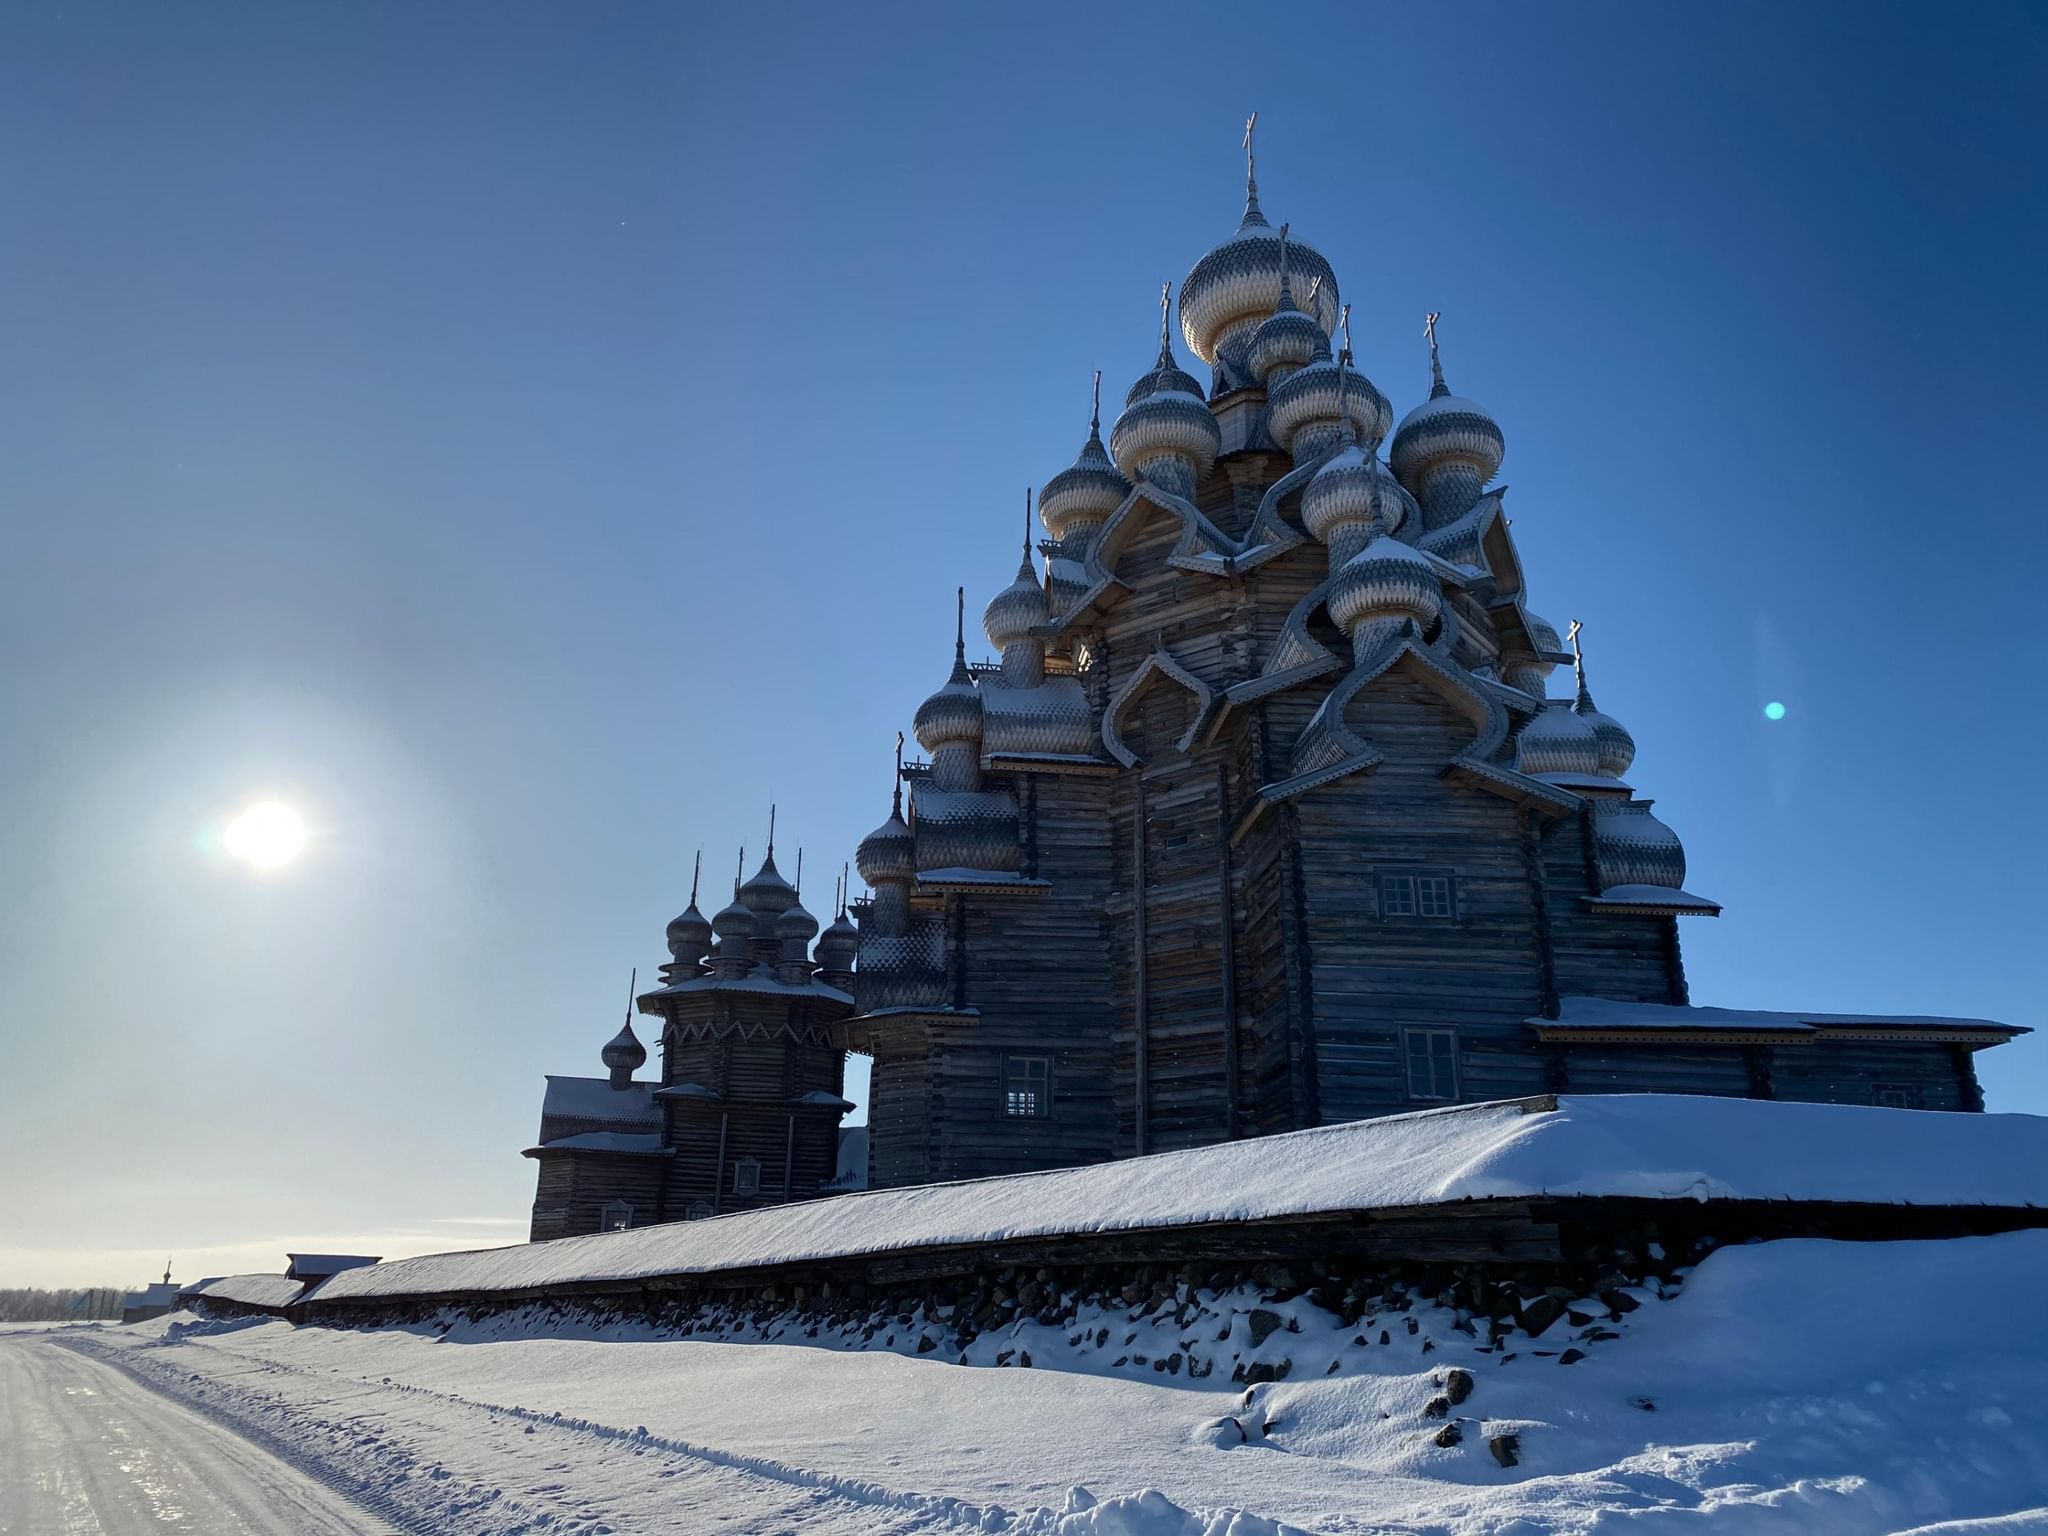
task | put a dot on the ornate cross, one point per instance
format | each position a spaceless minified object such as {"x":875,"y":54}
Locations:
{"x":1345,"y":321}
{"x":1429,"y":327}
{"x":1251,"y":164}
{"x":1572,"y":634}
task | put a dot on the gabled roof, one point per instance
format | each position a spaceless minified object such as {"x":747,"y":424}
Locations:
{"x":594,"y":1098}
{"x":318,"y":1266}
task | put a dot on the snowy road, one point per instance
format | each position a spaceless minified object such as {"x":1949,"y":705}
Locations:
{"x":85,"y":1450}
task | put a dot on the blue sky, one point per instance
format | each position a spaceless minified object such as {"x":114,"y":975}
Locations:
{"x":528,"y":438}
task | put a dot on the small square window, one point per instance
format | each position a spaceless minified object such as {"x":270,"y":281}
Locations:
{"x":1432,"y":1063}
{"x":1027,"y":1086}
{"x":746,"y":1176}
{"x":698,"y":1211}
{"x":1897,"y":1096}
{"x":617,"y":1215}
{"x":1397,"y":895}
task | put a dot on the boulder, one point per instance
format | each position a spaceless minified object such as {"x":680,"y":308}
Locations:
{"x":1507,"y":1449}
{"x":1458,"y":1384}
{"x":1264,"y":1324}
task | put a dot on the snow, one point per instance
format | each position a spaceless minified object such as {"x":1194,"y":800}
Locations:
{"x":1799,"y":1388}
{"x":762,"y":980}
{"x":251,"y":1290}
{"x":1673,"y":1147}
{"x":1652,"y":895}
{"x":594,"y":1098}
{"x":638,"y":1143}
{"x":1607,"y":1013}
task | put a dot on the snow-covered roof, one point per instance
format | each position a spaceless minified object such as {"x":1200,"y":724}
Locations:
{"x":635,"y":1143}
{"x":1606,"y":1013}
{"x":1652,"y":1146}
{"x":158,"y":1293}
{"x":763,"y":980}
{"x":687,"y":1091}
{"x":594,"y":1098}
{"x":1660,"y":896}
{"x":316,"y":1266}
{"x":250,"y":1290}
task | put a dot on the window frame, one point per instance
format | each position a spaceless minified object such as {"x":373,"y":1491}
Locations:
{"x":751,"y":1184}
{"x":1011,"y":1061}
{"x":1408,"y":882}
{"x":1409,"y":1057}
{"x":699,"y":1210}
{"x":1907,"y":1094}
{"x":606,"y":1212}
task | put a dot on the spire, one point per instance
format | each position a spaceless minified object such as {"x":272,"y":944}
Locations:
{"x":896,"y":795}
{"x":1165,"y":346}
{"x":1437,"y":388}
{"x":696,"y":871}
{"x":1095,"y":408}
{"x":1322,"y":351}
{"x":739,"y":872}
{"x":1024,"y":570}
{"x":1286,"y":287}
{"x":798,"y":884}
{"x":1584,"y":704}
{"x":1344,"y":381}
{"x":845,"y":880}
{"x":1253,"y":218}
{"x":771,"y":831}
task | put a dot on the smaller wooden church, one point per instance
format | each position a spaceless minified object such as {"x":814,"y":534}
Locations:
{"x":1266,"y":817}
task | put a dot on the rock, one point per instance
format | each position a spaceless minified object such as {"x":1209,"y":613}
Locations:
{"x":1648,"y":1405}
{"x":1539,"y":1314}
{"x":1004,"y":1357}
{"x":1263,"y":1325}
{"x":1101,"y":1337}
{"x":1577,"y":1318}
{"x":1335,"y":1365}
{"x":926,"y":1344}
{"x":1029,"y":1295}
{"x":1450,"y":1435}
{"x":1438,"y":1407}
{"x":1507,"y":1449}
{"x":1413,"y":1326}
{"x":1385,"y":1337}
{"x":1458,"y":1384}
{"x":1268,"y":1371}
{"x":1619,"y":1301}
{"x":1024,"y":1358}
{"x":1571,"y":1357}
{"x":1428,"y":1345}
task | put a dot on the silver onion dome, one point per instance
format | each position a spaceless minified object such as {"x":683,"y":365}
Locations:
{"x":952,"y":716}
{"x":624,"y":1052}
{"x":887,"y":853}
{"x":1352,"y":488}
{"x":1086,"y":491}
{"x":1318,"y":393}
{"x":1557,"y":741}
{"x":1617,"y":747}
{"x":1013,"y":612}
{"x":1632,"y":847}
{"x":1236,"y":285}
{"x":689,"y":933}
{"x":1166,"y":419}
{"x":766,"y":893}
{"x":1287,"y":338}
{"x":735,"y":920}
{"x":1385,"y":580}
{"x":1542,"y":635}
{"x":795,"y":923}
{"x":837,"y":945}
{"x":1446,"y":431}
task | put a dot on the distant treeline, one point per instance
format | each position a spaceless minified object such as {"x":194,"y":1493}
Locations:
{"x":34,"y":1306}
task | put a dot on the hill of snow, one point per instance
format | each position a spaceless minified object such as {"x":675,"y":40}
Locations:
{"x":1797,"y":1386}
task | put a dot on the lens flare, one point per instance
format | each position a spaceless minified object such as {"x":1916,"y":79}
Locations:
{"x":268,"y":835}
{"x":1774,"y":710}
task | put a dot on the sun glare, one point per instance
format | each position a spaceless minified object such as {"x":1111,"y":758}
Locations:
{"x":267,"y":835}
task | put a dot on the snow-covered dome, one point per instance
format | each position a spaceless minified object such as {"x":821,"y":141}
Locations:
{"x":1309,"y":398}
{"x":689,"y":933}
{"x":1447,"y":448}
{"x":624,"y":1052}
{"x":887,"y":853}
{"x":1085,"y":492}
{"x":837,"y":945}
{"x":1632,"y":847}
{"x":1287,"y":338}
{"x":1385,"y":580}
{"x":1352,"y":490}
{"x":1012,"y":612}
{"x":951,"y":715}
{"x":1557,"y":741}
{"x":1236,"y":285}
{"x":735,"y":920}
{"x":1170,"y":427}
{"x":1617,"y":747}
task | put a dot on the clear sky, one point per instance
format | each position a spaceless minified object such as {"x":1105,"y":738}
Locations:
{"x":529,"y":437}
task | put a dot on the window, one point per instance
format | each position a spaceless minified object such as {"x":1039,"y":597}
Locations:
{"x":1897,"y":1096}
{"x":746,"y":1176}
{"x":617,"y":1215}
{"x":1432,"y":1063}
{"x":1027,"y":1086}
{"x":1418,"y":895}
{"x":699,"y":1209}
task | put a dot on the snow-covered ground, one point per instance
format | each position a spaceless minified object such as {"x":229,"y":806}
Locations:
{"x":1798,"y":1386}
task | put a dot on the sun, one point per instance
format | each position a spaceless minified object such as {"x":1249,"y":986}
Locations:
{"x":268,"y":835}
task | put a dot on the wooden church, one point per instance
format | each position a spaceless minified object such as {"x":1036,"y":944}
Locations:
{"x":1267,"y":817}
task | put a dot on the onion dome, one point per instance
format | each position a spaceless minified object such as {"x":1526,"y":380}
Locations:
{"x":1012,"y":612}
{"x":766,"y":892}
{"x":734,"y":921}
{"x":1169,"y":422}
{"x":1327,"y":392}
{"x":1233,"y":287}
{"x":1542,"y":635}
{"x":1617,"y":747}
{"x":1287,"y":338}
{"x":840,"y":942}
{"x":689,"y":935}
{"x":887,"y":853}
{"x":1632,"y":847}
{"x":795,"y":924}
{"x":952,"y":716}
{"x":1089,"y":489}
{"x":1353,"y":488}
{"x":624,"y":1052}
{"x":1385,"y":580}
{"x":1446,"y":439}
{"x":1557,"y":741}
